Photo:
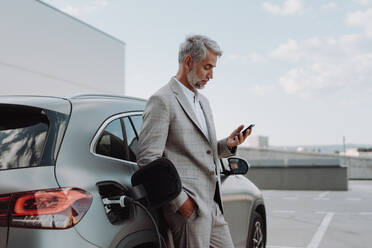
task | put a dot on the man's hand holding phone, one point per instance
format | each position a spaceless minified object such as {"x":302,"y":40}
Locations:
{"x":248,"y":129}
{"x":237,"y":137}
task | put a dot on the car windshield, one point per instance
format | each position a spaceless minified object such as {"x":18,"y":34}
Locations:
{"x":23,"y":132}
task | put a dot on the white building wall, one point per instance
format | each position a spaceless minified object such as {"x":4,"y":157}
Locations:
{"x":258,"y":141}
{"x":46,"y":52}
{"x":356,"y":152}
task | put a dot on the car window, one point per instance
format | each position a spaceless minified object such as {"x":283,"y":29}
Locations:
{"x":111,"y":142}
{"x":131,"y":138}
{"x":137,"y":122}
{"x":23,"y":133}
{"x":115,"y":128}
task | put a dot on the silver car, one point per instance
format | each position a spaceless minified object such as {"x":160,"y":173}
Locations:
{"x":61,"y":157}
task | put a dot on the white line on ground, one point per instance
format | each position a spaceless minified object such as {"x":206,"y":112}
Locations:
{"x":283,"y":211}
{"x":322,"y":195}
{"x":353,"y":199}
{"x":279,"y":246}
{"x":365,"y":213}
{"x":317,"y":238}
{"x":345,"y":213}
{"x":321,"y":199}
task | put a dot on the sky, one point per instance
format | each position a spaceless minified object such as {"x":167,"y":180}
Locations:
{"x":300,"y":70}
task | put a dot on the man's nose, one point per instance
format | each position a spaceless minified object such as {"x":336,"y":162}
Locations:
{"x":210,"y":75}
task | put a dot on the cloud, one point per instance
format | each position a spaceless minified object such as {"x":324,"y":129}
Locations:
{"x":263,"y":89}
{"x":233,"y":56}
{"x":362,"y":2}
{"x":102,"y":3}
{"x":289,"y":7}
{"x":330,"y":5}
{"x":325,"y":49}
{"x":287,"y":51}
{"x":327,"y":64}
{"x":325,"y":77}
{"x":256,"y":58}
{"x":361,"y":19}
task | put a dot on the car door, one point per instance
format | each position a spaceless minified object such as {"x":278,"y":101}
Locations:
{"x":105,"y":171}
{"x":237,"y":205}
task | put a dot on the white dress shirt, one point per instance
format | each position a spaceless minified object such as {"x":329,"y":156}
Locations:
{"x":193,"y":99}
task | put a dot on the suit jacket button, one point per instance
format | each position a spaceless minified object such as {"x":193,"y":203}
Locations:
{"x":209,"y":152}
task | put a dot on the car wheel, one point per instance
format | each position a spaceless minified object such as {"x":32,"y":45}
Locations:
{"x":257,"y":233}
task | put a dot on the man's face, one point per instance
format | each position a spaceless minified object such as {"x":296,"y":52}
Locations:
{"x":202,"y":71}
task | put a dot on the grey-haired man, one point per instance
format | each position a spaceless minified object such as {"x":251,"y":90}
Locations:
{"x":178,"y":124}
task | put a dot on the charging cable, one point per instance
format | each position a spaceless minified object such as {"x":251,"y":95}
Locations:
{"x":124,"y":201}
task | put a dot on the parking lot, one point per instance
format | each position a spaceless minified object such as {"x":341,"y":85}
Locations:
{"x":324,"y":219}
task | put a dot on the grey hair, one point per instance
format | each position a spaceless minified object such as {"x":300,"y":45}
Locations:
{"x":196,"y":46}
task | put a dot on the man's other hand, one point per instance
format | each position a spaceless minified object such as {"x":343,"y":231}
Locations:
{"x":236,"y":137}
{"x":187,"y":208}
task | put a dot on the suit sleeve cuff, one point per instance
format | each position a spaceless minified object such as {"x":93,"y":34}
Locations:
{"x":178,"y":201}
{"x":224,"y":151}
{"x":233,"y":150}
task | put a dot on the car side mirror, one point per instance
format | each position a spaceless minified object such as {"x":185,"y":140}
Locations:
{"x":238,"y":166}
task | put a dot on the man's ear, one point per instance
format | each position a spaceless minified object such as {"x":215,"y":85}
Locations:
{"x":188,"y":63}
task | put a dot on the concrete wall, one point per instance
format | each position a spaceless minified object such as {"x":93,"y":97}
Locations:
{"x":358,"y":168}
{"x":272,"y":154}
{"x":277,"y":169}
{"x":299,"y":177}
{"x":46,"y":52}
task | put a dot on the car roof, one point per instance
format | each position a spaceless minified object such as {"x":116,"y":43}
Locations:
{"x":106,"y":104}
{"x":105,"y":96}
{"x":57,"y":104}
{"x":63,"y":104}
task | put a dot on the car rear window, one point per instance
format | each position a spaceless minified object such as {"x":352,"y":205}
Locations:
{"x":23,"y":133}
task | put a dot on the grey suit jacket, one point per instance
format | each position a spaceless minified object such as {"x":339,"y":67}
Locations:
{"x":170,"y":128}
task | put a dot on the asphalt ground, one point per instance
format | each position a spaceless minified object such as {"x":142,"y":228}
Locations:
{"x":320,"y":219}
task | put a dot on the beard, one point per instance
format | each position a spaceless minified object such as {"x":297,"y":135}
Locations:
{"x":194,"y":80}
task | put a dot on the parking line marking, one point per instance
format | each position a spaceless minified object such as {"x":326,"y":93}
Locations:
{"x":353,"y":199}
{"x":321,"y":199}
{"x":365,"y":213}
{"x":279,"y":246}
{"x":322,"y":195}
{"x":318,"y":236}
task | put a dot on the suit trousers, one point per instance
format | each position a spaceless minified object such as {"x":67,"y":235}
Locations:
{"x":199,"y":231}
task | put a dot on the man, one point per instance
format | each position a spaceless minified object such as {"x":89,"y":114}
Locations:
{"x":178,"y":124}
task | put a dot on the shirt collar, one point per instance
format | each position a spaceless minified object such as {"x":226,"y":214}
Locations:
{"x":189,"y":94}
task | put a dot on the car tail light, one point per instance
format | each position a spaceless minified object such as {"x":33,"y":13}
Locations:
{"x":51,"y":208}
{"x":4,"y":208}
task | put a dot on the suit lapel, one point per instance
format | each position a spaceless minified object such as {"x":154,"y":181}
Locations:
{"x":181,"y":98}
{"x":209,"y":119}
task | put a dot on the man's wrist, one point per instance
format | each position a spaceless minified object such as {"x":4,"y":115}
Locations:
{"x":187,"y":208}
{"x":178,"y":201}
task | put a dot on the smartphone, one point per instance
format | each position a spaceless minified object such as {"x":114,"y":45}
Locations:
{"x":249,"y":127}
